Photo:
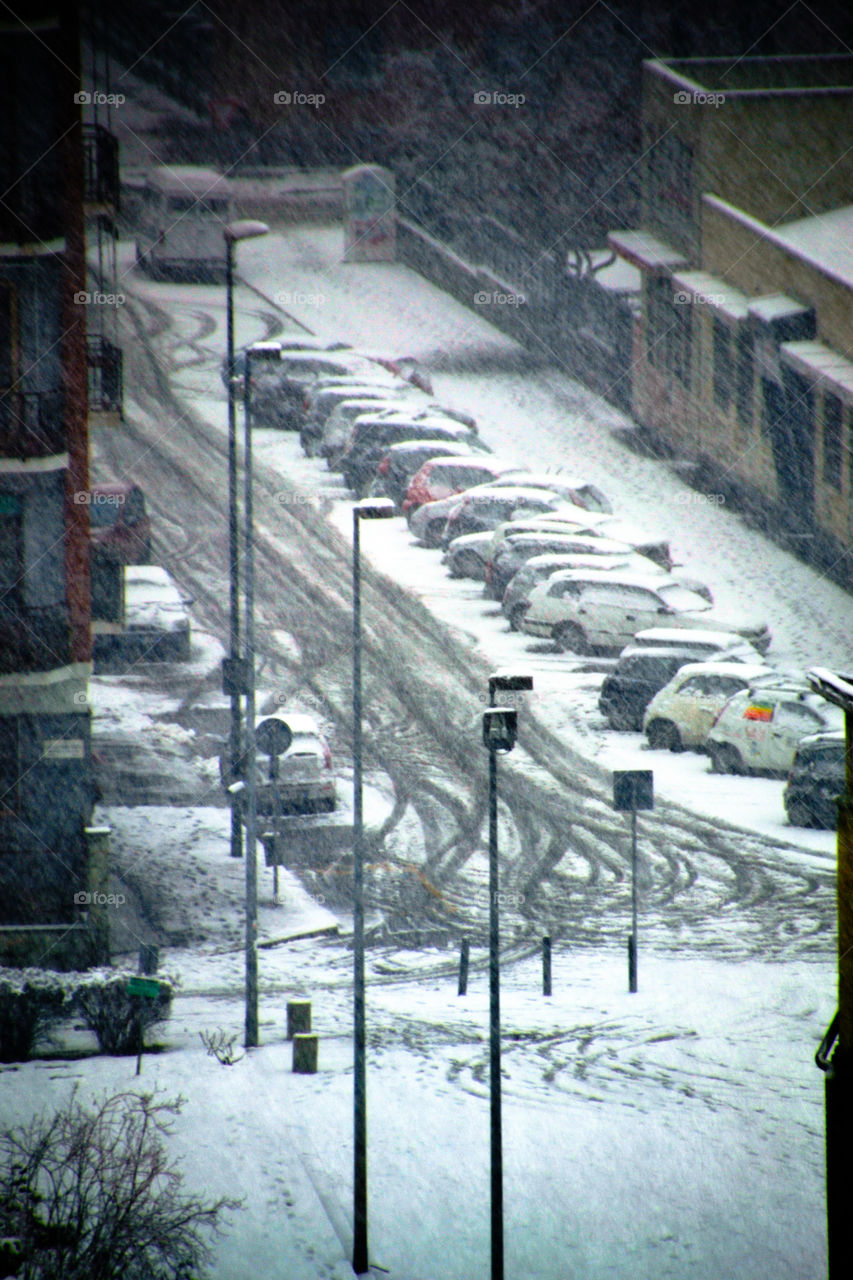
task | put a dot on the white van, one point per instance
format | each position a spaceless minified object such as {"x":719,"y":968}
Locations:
{"x":185,"y":209}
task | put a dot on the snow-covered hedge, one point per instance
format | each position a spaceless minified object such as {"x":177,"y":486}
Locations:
{"x":32,"y":999}
{"x":118,"y":1019}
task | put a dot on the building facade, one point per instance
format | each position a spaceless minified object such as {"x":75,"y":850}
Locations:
{"x":742,"y":346}
{"x":46,"y":366}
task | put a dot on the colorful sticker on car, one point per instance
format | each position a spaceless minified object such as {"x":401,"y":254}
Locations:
{"x":759,"y":711}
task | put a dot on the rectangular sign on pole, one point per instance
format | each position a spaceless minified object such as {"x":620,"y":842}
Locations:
{"x":149,"y":987}
{"x":633,"y":789}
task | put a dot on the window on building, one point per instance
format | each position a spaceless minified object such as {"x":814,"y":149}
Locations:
{"x":11,"y":550}
{"x":8,"y":335}
{"x":745,"y":380}
{"x":723,"y":370}
{"x":10,"y":767}
{"x":832,"y":440}
{"x":682,"y":342}
{"x":659,"y":321}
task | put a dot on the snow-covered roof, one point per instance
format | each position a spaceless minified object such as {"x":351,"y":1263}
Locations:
{"x":717,"y":293}
{"x":825,"y":240}
{"x":645,"y":250}
{"x":775,"y":306}
{"x":821,"y":364}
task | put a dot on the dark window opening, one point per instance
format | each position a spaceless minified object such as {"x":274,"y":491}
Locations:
{"x":745,"y":380}
{"x":723,"y":371}
{"x":11,"y":551}
{"x":10,"y":768}
{"x":832,"y":440}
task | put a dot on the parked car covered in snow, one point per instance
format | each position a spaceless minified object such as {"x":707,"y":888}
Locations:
{"x":581,"y":493}
{"x":443,"y":477}
{"x":681,"y":713}
{"x":639,"y":674}
{"x":403,"y":461}
{"x":587,"y":611}
{"x":119,"y":524}
{"x":157,"y":622}
{"x":372,"y":437}
{"x":487,"y":506}
{"x":293,"y":766}
{"x":816,"y":780}
{"x":596,"y":553}
{"x":759,"y":730}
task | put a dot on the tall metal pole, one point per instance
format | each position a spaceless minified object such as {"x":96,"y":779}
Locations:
{"x":835,"y":1054}
{"x":233,"y":552}
{"x":495,"y":1030}
{"x":632,"y":977}
{"x":359,"y":1250}
{"x":251,"y":1036}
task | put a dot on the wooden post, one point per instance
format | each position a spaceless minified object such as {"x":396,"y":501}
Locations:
{"x":546,"y":966}
{"x":149,"y":958}
{"x":463,"y":968}
{"x":305,"y":1054}
{"x":298,"y":1018}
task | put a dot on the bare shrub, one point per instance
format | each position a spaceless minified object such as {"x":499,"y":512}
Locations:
{"x":92,"y":1195}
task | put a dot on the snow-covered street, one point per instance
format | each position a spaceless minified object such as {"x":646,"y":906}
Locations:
{"x":672,"y":1132}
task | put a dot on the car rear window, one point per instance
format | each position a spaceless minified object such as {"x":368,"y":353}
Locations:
{"x":104,"y":510}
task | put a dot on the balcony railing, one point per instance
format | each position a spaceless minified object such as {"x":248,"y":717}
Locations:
{"x":100,"y":150}
{"x":33,"y":639}
{"x":31,"y":424}
{"x":106,"y":380}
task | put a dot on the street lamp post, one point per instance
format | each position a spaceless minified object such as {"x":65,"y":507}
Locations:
{"x":378,"y":509}
{"x":499,"y":731}
{"x":234,"y":677}
{"x":260,"y":351}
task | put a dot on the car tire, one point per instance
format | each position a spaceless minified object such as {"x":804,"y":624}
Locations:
{"x":571,"y":639}
{"x":467,"y":565}
{"x":725,"y":758}
{"x":433,"y":534}
{"x":664,"y":736}
{"x":516,"y":616}
{"x":799,"y":815}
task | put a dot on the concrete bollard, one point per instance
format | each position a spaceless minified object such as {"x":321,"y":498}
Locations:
{"x":298,"y":1018}
{"x":149,"y":958}
{"x":305,"y":1054}
{"x":463,"y":968}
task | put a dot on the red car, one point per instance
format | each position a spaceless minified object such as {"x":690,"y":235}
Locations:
{"x":442,"y":477}
{"x":119,"y":525}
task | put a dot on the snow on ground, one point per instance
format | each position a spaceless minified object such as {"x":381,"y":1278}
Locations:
{"x":663,"y":1134}
{"x":676,"y":1132}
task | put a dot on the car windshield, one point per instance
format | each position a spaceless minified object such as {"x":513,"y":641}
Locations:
{"x":681,"y":598}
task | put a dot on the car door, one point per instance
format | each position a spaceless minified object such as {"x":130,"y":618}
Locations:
{"x":688,"y":708}
{"x":614,"y":613}
{"x":792,"y":721}
{"x":713,"y":693}
{"x":557,"y":602}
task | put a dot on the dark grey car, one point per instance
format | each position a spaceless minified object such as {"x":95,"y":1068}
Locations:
{"x":816,"y":781}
